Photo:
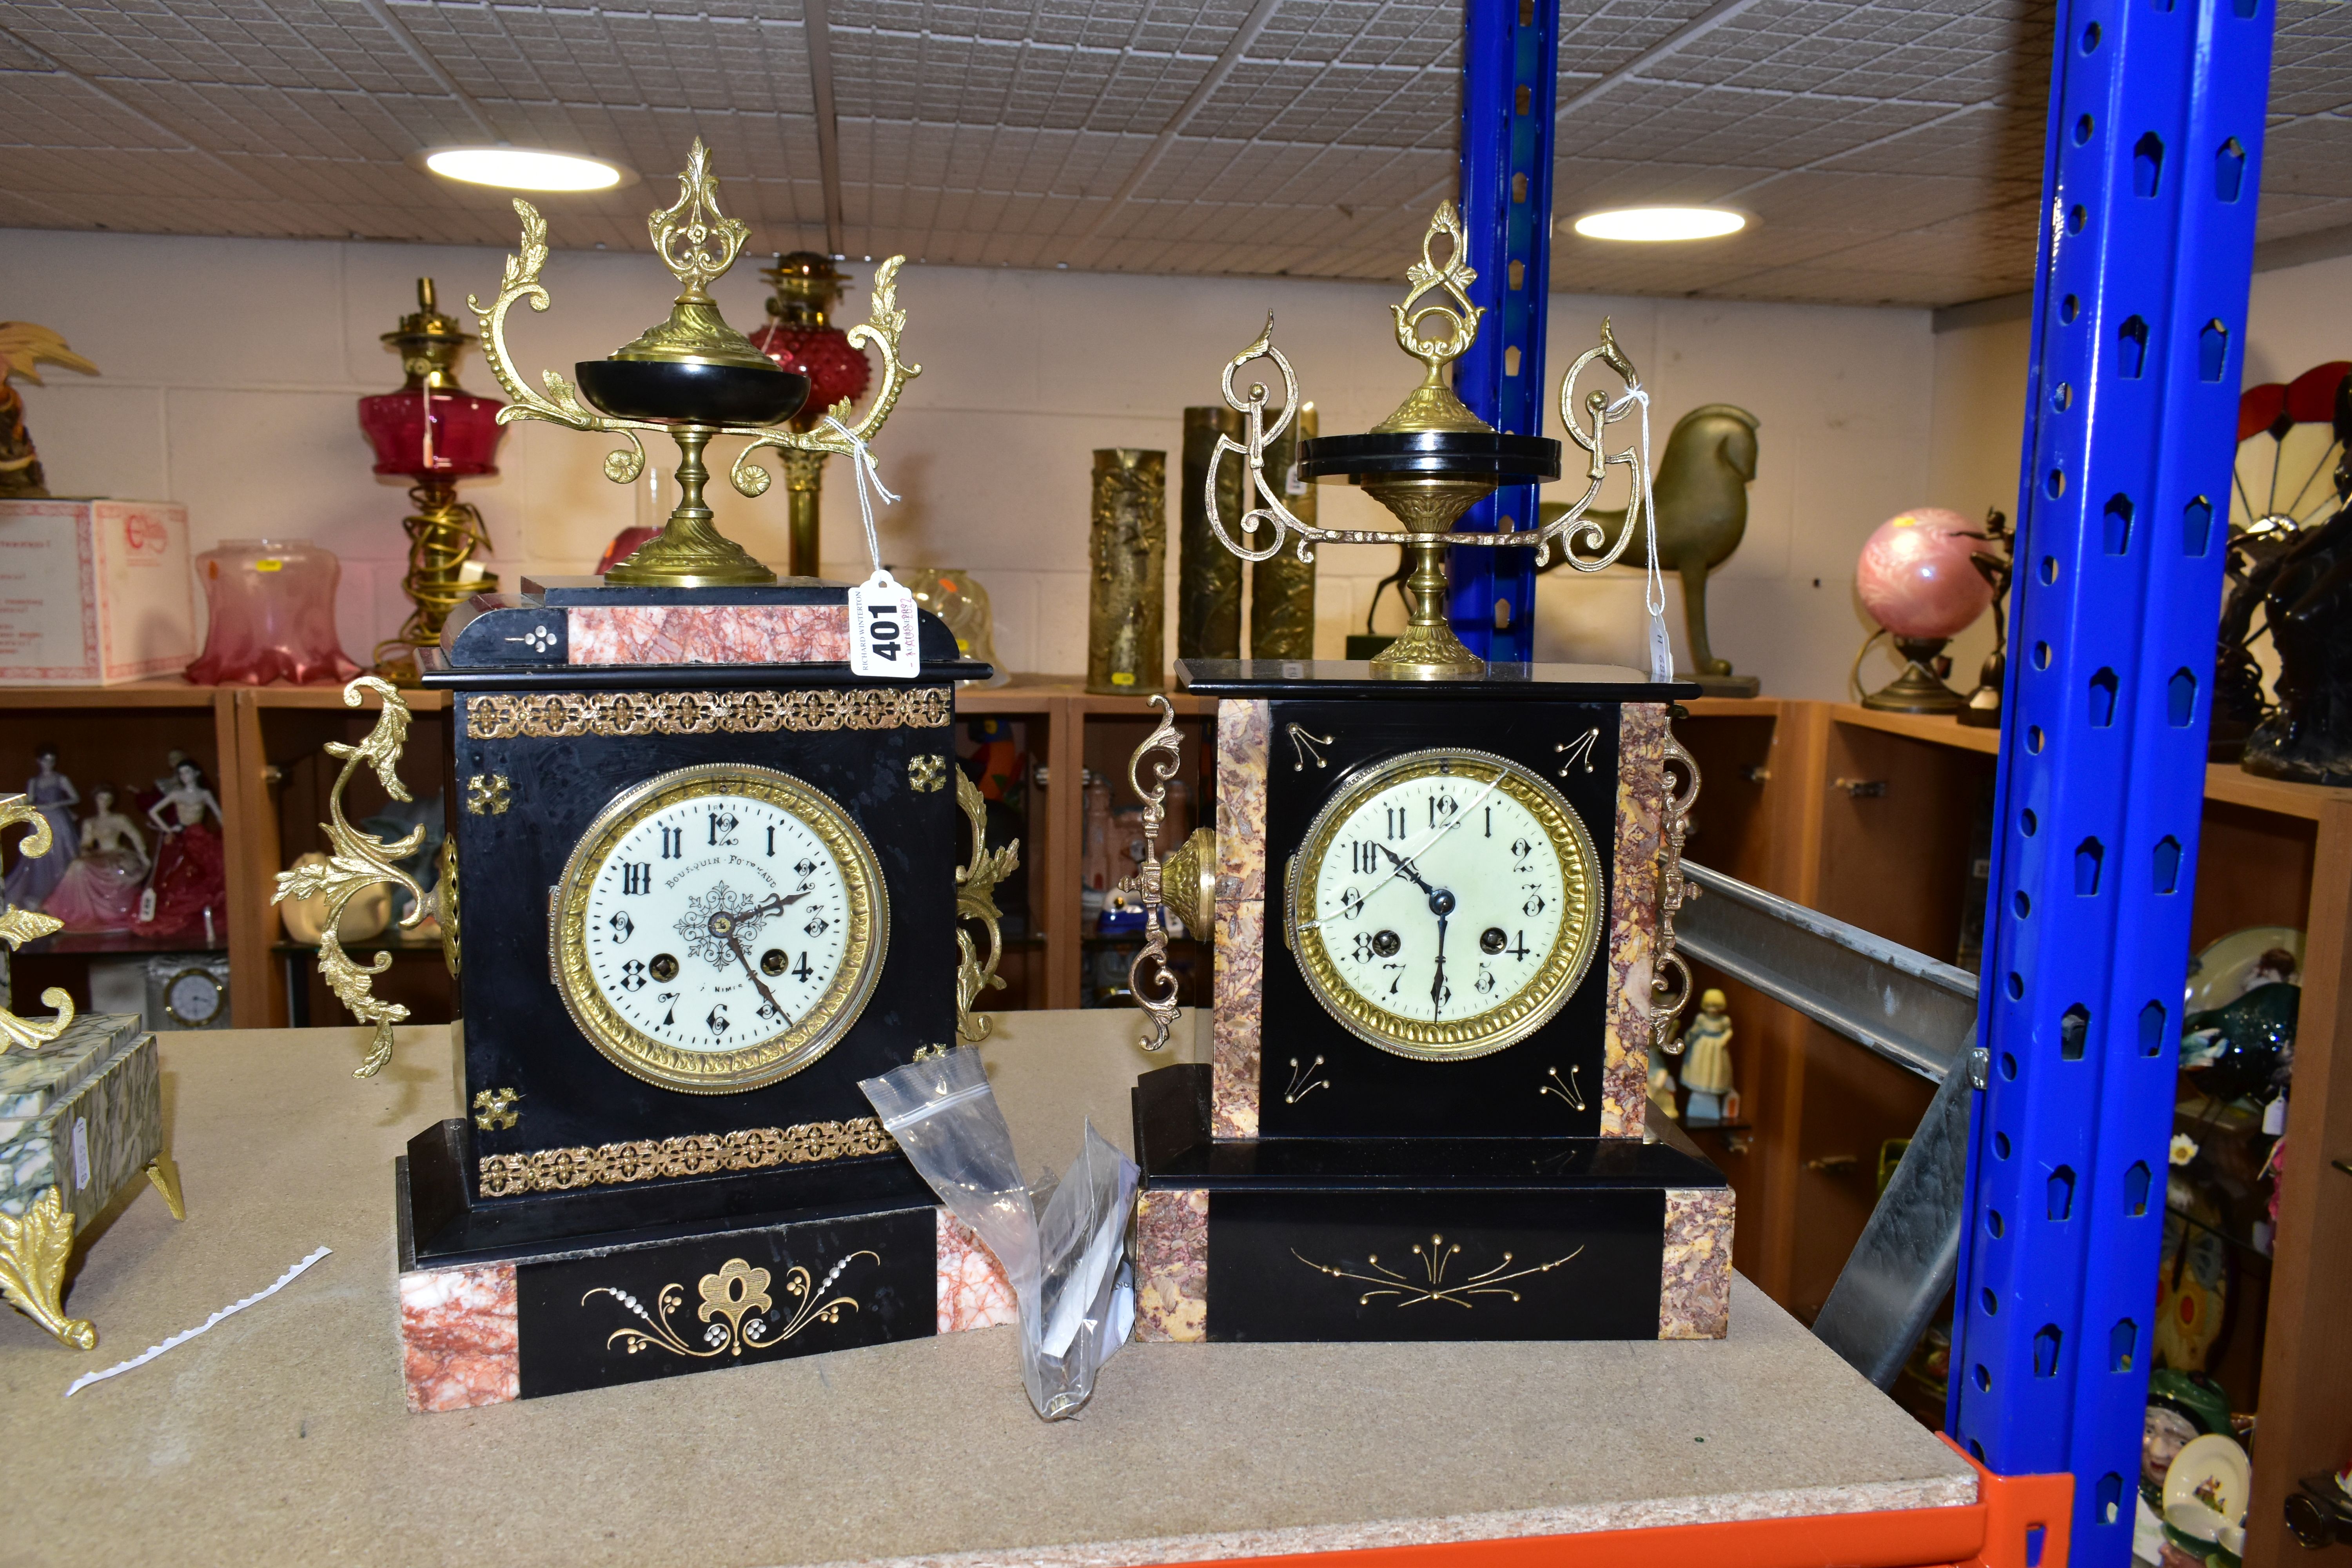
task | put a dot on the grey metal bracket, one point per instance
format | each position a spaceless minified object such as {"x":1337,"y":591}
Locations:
{"x":1917,"y":1012}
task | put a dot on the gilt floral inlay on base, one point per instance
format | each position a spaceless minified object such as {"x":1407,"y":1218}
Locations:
{"x":737,"y":1311}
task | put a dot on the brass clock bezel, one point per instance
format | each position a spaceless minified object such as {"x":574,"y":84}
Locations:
{"x":780,"y":1056}
{"x":1583,"y":886}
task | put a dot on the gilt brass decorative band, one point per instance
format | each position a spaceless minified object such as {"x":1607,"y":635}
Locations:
{"x":556,"y":715}
{"x":701,"y":1154}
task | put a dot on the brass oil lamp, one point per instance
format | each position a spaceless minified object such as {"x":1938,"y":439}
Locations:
{"x":801,"y":337}
{"x":434,"y":433}
{"x":693,"y":376}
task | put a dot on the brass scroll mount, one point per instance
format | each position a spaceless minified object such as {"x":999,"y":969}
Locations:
{"x":976,"y":885}
{"x":1147,"y":978}
{"x":1673,"y":892}
{"x":18,"y":927}
{"x":359,"y":860}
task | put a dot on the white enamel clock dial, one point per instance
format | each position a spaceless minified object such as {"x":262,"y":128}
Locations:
{"x":1445,"y":904}
{"x":719,"y":928}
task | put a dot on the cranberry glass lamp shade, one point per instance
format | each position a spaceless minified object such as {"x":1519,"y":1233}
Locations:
{"x":1915,"y":576}
{"x":801,"y":337}
{"x":272,"y":615}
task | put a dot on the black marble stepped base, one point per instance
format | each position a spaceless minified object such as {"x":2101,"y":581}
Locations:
{"x":1386,"y":1240}
{"x":644,"y":1298}
{"x":444,"y":1223}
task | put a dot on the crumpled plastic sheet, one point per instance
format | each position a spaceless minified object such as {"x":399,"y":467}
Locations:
{"x":1061,"y":1241}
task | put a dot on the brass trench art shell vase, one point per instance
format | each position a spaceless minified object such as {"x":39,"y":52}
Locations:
{"x":693,"y":376}
{"x":1427,"y":463}
{"x":1127,"y":550}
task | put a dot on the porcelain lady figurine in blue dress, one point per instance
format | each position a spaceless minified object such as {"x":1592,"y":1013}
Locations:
{"x":32,"y":878}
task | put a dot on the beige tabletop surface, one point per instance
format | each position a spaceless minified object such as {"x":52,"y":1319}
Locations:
{"x":281,"y":1434}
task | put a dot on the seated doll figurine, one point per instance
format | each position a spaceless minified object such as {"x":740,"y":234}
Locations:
{"x":101,"y":887}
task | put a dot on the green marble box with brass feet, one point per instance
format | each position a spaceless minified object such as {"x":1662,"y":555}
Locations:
{"x":80,"y":1116}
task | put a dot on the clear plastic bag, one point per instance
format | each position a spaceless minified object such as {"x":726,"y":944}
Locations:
{"x":1060,"y":1241}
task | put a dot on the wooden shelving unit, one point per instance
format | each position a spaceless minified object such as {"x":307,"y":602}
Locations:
{"x":1865,"y":815}
{"x":1781,"y":809}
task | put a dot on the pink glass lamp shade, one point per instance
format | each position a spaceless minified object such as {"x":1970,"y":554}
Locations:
{"x":1915,"y":576}
{"x":272,"y":605}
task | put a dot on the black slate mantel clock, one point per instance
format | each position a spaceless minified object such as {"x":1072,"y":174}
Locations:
{"x":1439,"y":897}
{"x":687,"y":904}
{"x":700,"y":879}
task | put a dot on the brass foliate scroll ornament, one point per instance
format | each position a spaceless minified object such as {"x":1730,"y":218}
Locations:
{"x":976,"y":885}
{"x":1147,"y":978}
{"x":359,"y":861}
{"x":18,"y":927}
{"x":1428,"y":461}
{"x":693,"y":376}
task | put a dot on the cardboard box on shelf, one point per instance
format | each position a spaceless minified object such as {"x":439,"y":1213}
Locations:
{"x":94,"y":592}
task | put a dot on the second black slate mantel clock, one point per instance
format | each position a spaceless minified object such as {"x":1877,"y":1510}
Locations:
{"x":1439,"y":897}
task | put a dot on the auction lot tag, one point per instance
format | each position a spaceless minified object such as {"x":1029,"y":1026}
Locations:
{"x":882,"y":629}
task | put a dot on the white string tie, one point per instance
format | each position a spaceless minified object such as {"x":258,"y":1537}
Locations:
{"x":1654,"y":586}
{"x":185,"y":1335}
{"x":861,"y":462}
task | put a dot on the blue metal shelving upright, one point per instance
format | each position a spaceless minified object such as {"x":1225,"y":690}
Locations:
{"x":1509,"y":71}
{"x":2149,"y":190}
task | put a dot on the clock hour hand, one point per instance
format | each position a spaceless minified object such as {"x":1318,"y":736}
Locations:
{"x":1404,"y":867}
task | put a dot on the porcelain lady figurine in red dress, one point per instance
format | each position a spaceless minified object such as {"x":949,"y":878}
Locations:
{"x":191,"y":881}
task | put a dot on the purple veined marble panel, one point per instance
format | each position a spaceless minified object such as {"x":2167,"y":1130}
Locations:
{"x":696,"y":634}
{"x":1242,"y":730}
{"x":1171,"y":1265}
{"x":1234,"y":1027}
{"x":457,"y":1337}
{"x":1633,"y":917}
{"x":1695,"y":1282}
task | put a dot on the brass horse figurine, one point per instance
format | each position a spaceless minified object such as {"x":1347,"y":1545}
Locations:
{"x":1702,"y":494}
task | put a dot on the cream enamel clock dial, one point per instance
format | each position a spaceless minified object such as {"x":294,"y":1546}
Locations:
{"x":1445,"y":904}
{"x":719,"y":928}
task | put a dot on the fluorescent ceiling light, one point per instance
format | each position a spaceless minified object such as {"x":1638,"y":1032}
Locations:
{"x":1651,"y":225}
{"x":526,"y":169}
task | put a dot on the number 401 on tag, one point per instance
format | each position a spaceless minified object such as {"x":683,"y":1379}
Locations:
{"x":882,"y":638}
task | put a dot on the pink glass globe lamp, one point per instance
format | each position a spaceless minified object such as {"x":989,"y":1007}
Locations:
{"x":1918,"y":579}
{"x":800,"y":336}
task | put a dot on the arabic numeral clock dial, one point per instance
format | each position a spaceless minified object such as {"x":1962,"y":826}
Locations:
{"x":719,"y":928}
{"x":1445,"y":904}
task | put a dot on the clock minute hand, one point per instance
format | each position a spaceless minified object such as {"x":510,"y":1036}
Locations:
{"x":767,"y":995}
{"x":1437,"y":986}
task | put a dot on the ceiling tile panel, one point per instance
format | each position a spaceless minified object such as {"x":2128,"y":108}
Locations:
{"x":1891,"y":148}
